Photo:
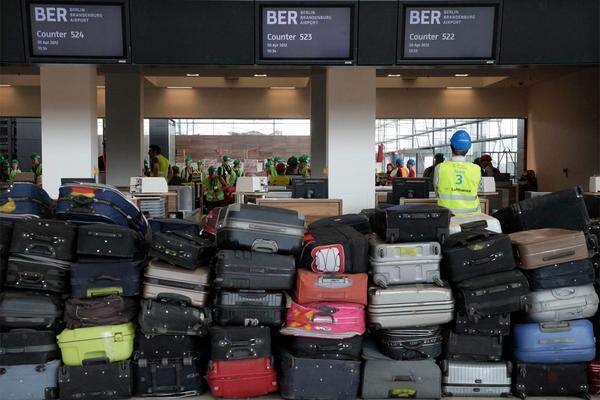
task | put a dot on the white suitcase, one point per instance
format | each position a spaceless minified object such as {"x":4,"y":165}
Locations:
{"x":487,"y":184}
{"x":594,"y":184}
{"x":476,"y":379}
{"x":143,"y":184}
{"x":562,"y":304}
{"x":250,"y":184}
{"x":473,"y":221}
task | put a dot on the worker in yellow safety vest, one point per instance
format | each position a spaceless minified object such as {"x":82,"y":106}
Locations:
{"x":187,"y":171}
{"x":159,"y":164}
{"x":36,"y":164}
{"x":281,"y":179}
{"x":456,"y":181}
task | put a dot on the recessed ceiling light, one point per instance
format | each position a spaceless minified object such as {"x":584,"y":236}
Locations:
{"x":192,"y":75}
{"x":394,"y":75}
{"x":179,"y":87}
{"x":260,"y":75}
{"x":461,"y":75}
{"x":283,"y":87}
{"x":459,"y":87}
{"x":5,"y":85}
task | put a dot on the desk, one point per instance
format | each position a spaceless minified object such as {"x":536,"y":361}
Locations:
{"x":313,"y":209}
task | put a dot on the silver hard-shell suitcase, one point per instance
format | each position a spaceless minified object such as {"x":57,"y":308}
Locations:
{"x":476,"y":379}
{"x":381,"y":251}
{"x":410,"y":306}
{"x":162,"y":278}
{"x":30,"y":381}
{"x":562,"y":304}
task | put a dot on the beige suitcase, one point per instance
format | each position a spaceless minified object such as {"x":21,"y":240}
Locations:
{"x":542,"y":247}
{"x":164,"y":280}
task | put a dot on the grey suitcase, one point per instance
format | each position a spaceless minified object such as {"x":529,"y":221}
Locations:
{"x":30,"y":381}
{"x":476,"y":379}
{"x":562,"y":304}
{"x":410,"y":306}
{"x":161,"y":278}
{"x":385,"y":378}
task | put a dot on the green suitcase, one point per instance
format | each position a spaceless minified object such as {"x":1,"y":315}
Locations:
{"x":112,"y":342}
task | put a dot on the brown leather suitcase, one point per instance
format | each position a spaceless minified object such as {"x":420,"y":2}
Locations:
{"x":312,"y":287}
{"x":542,"y":247}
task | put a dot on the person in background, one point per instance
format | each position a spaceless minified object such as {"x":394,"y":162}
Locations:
{"x":303,"y":167}
{"x":101,"y":163}
{"x":225,"y":171}
{"x":36,"y":165}
{"x":400,"y":171}
{"x":487,"y":167}
{"x":213,"y":188}
{"x":281,"y":179}
{"x":187,"y":172}
{"x":146,"y":170}
{"x":5,"y":172}
{"x":14,"y":169}
{"x":159,"y":164}
{"x":292,"y":166}
{"x":198,"y":173}
{"x":527,"y":183}
{"x":237,"y":168}
{"x":456,"y":181}
{"x":389,"y":168}
{"x":437,"y":160}
{"x":411,"y":168}
{"x":176,"y":179}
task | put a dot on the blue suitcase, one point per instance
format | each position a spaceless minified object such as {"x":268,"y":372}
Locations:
{"x":555,"y":342}
{"x":96,"y":278}
{"x":25,"y":200}
{"x":160,"y":225}
{"x":85,"y":203}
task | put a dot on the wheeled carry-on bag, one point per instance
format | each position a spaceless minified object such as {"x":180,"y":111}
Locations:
{"x":412,"y":223}
{"x":182,"y":250}
{"x":240,"y":343}
{"x":157,"y":347}
{"x":30,"y":381}
{"x":249,"y":308}
{"x":385,"y":378}
{"x":562,"y":304}
{"x":169,"y":377}
{"x":6,"y":229}
{"x":162,"y":278}
{"x":541,"y":212}
{"x":310,"y":379}
{"x":38,"y":273}
{"x":572,"y":273}
{"x":98,"y":381}
{"x":477,"y":221}
{"x":550,"y":380}
{"x":542,"y":247}
{"x":409,"y":306}
{"x":44,"y":238}
{"x":402,"y":263}
{"x":555,"y":342}
{"x":260,"y":228}
{"x":107,"y":240}
{"x":314,"y":287}
{"x":99,"y":311}
{"x":172,"y":317}
{"x":493,"y":294}
{"x":476,"y":253}
{"x":325,"y":320}
{"x":335,"y":249}
{"x":460,"y":347}
{"x":27,"y":346}
{"x":237,"y":269}
{"x":241,"y":378}
{"x":359,"y":222}
{"x":498,"y":324}
{"x":476,"y":379}
{"x":25,"y":200}
{"x":333,"y":349}
{"x":100,"y":278}
{"x":159,"y":225}
{"x":33,"y":310}
{"x":410,"y":343}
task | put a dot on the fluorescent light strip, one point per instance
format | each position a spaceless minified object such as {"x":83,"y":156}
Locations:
{"x":192,"y":75}
{"x":179,"y":87}
{"x":459,"y":87}
{"x":5,"y":85}
{"x":393,"y":75}
{"x":461,"y":75}
{"x":100,"y":87}
{"x":260,"y":75}
{"x":283,"y":87}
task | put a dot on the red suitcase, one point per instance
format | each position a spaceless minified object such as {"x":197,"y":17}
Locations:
{"x":241,"y":378}
{"x":312,"y":287}
{"x":594,"y":378}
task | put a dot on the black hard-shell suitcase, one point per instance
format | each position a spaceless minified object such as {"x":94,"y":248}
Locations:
{"x":493,"y":294}
{"x":476,"y":253}
{"x":156,"y":347}
{"x":182,"y":250}
{"x":237,"y":269}
{"x":410,"y":344}
{"x":498,"y":324}
{"x":6,"y":228}
{"x":260,"y":228}
{"x":171,"y":317}
{"x":98,"y":311}
{"x":111,"y":241}
{"x":322,"y":379}
{"x":38,"y":273}
{"x":564,"y":209}
{"x":412,"y":223}
{"x":34,"y":310}
{"x":45,"y":238}
{"x":101,"y":278}
{"x":249,"y":308}
{"x":574,"y":273}
{"x":240,"y":343}
{"x":550,"y":379}
{"x":102,"y":381}
{"x":27,"y":346}
{"x":159,"y":225}
{"x":360,"y":222}
{"x":333,"y":349}
{"x":460,"y":347}
{"x":169,"y":377}
{"x":335,"y":249}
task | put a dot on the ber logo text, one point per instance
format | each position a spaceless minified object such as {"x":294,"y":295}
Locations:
{"x":282,"y":17}
{"x":50,"y":14}
{"x":425,"y":17}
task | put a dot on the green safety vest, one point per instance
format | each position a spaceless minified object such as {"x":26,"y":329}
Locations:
{"x":163,"y":166}
{"x":213,"y":194}
{"x":303,"y":171}
{"x":37,"y":170}
{"x":457,"y":184}
{"x":185,"y":175}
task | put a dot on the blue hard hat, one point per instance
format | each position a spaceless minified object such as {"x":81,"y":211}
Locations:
{"x":460,"y":141}
{"x":411,"y":161}
{"x":400,"y":162}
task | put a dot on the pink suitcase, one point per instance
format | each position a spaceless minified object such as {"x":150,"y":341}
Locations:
{"x":325,"y":320}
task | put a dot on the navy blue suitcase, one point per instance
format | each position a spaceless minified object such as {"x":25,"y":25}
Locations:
{"x":159,"y":225}
{"x":85,"y":203}
{"x":24,"y":200}
{"x":96,"y":278}
{"x":554,"y":342}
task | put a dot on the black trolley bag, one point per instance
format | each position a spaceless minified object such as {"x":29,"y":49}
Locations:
{"x":109,"y":241}
{"x":474,"y":253}
{"x":45,"y":238}
{"x":412,"y":223}
{"x":564,"y":209}
{"x":360,"y":222}
{"x":550,"y":380}
{"x":169,"y":376}
{"x":249,"y":308}
{"x":96,"y":381}
{"x":183,"y":250}
{"x":27,"y":346}
{"x":410,"y":344}
{"x":100,"y":278}
{"x":574,"y":273}
{"x":98,"y":311}
{"x":157,"y":347}
{"x":6,"y":228}
{"x":498,"y":324}
{"x":172,"y":316}
{"x":38,"y":273}
{"x":172,"y":224}
{"x":260,"y":228}
{"x":25,"y":309}
{"x":237,"y":269}
{"x":240,"y":343}
{"x":334,"y":349}
{"x":461,"y":347}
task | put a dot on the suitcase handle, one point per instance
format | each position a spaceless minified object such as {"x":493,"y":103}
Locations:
{"x":106,"y":235}
{"x":240,"y":351}
{"x":559,"y":255}
{"x":173,"y":298}
{"x":29,"y":278}
{"x":265,"y":246}
{"x":95,"y":361}
{"x":44,"y":249}
{"x":403,"y":378}
{"x":555,"y":326}
{"x":334,"y":282}
{"x":473,"y":225}
{"x":484,"y":260}
{"x":109,"y":278}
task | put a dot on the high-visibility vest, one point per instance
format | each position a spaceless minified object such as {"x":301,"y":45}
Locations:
{"x":457,"y":184}
{"x":214,"y":189}
{"x":279,"y":180}
{"x":163,"y":166}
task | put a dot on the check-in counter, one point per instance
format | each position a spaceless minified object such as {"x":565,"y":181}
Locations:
{"x":313,"y":209}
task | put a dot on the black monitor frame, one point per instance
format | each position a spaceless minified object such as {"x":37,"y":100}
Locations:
{"x":304,"y":181}
{"x":423,"y":187}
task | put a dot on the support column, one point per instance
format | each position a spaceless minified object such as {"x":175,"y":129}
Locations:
{"x":69,"y":123}
{"x":318,"y":124}
{"x":350,"y":94}
{"x":124,"y":127}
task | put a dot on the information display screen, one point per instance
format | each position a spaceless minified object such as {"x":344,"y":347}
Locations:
{"x":78,"y":30}
{"x":306,"y":33}
{"x":449,"y":32}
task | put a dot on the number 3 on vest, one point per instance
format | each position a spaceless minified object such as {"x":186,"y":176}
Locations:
{"x":459,"y":179}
